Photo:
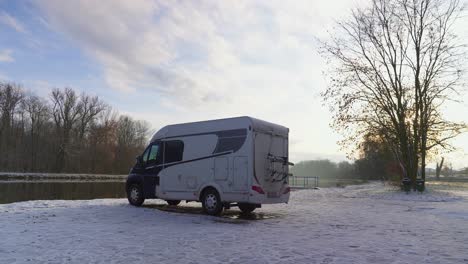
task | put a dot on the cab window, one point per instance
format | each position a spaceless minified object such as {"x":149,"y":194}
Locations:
{"x":153,"y":154}
{"x":144,"y":157}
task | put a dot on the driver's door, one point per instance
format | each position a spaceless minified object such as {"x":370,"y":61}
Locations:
{"x":151,"y":169}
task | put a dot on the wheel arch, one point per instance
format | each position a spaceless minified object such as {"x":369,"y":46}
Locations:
{"x":205,"y":187}
{"x":133,"y":179}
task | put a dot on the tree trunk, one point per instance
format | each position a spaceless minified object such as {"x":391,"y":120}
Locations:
{"x":439,"y":168}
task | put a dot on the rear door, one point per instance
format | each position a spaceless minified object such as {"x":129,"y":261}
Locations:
{"x":271,"y":168}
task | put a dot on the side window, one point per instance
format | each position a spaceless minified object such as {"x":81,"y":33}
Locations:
{"x":173,"y":151}
{"x":144,"y":157}
{"x":153,"y":155}
{"x":229,"y":144}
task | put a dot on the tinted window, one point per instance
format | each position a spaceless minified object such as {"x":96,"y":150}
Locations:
{"x":153,"y":155}
{"x":229,"y":144}
{"x":173,"y":151}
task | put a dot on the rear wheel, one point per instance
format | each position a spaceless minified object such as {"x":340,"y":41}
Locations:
{"x":211,"y":202}
{"x":173,"y":202}
{"x":247,"y":208}
{"x":135,"y":195}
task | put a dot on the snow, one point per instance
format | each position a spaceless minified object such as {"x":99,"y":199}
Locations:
{"x":357,"y":224}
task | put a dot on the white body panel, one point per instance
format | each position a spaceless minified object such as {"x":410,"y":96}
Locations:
{"x":231,"y":155}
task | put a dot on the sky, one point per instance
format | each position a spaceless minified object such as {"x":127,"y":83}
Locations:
{"x":181,"y":61}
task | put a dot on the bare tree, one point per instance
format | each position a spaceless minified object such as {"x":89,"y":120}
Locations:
{"x":89,"y":108}
{"x":10,"y":98}
{"x":131,"y":137}
{"x":67,"y":133}
{"x":102,"y":141}
{"x":65,"y":111}
{"x":38,"y":113}
{"x":395,"y":63}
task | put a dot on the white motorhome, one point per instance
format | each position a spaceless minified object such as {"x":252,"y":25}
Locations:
{"x":239,"y":161}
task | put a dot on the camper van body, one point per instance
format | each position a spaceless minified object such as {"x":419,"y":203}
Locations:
{"x":243,"y":160}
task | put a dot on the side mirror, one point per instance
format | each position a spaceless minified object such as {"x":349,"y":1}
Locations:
{"x":139,"y":159}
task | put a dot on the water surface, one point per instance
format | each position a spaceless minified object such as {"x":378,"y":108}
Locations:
{"x":15,"y":191}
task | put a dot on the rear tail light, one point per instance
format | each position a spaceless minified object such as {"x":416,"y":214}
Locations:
{"x":288,"y":189}
{"x":258,"y":189}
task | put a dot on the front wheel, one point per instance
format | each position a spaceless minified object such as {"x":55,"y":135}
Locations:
{"x":247,"y":208}
{"x":135,"y":195}
{"x":211,"y":202}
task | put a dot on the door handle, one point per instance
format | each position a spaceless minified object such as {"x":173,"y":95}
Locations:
{"x":179,"y":177}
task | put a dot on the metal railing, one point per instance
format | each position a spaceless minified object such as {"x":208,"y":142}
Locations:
{"x":306,"y":182}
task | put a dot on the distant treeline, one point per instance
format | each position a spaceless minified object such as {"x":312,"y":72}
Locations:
{"x":363,"y":169}
{"x":65,"y":132}
{"x":323,"y":169}
{"x":448,"y":171}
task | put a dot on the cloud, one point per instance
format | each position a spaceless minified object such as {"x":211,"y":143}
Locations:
{"x":209,"y":59}
{"x":10,"y":21}
{"x":195,"y":50}
{"x":5,"y":55}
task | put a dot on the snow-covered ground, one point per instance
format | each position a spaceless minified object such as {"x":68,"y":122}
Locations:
{"x":357,"y":224}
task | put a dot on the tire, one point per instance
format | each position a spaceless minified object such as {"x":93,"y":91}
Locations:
{"x":247,"y":208}
{"x":211,"y":202}
{"x":135,"y":195}
{"x":173,"y":202}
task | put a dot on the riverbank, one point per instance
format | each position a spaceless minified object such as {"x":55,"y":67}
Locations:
{"x":29,"y":176}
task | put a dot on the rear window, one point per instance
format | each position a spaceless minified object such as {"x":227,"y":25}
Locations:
{"x":173,"y":151}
